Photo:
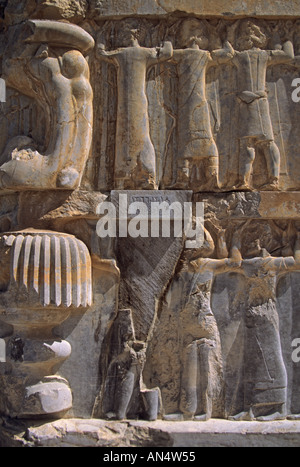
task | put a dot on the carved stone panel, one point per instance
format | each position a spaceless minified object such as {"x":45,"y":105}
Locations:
{"x":150,"y":211}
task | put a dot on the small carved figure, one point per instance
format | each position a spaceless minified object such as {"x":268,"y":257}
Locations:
{"x":135,"y":160}
{"x":198,"y":158}
{"x":124,"y":393}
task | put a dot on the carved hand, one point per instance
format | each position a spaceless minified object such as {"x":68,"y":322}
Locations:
{"x":225,"y":54}
{"x":236,"y":259}
{"x":236,"y":256}
{"x":100,"y":50}
{"x":288,"y":49}
{"x":165,"y":52}
{"x":229,"y":48}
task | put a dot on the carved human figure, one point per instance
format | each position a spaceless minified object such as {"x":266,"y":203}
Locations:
{"x":255,"y":125}
{"x":47,"y":64}
{"x":201,"y":362}
{"x":123,"y":387}
{"x":198,"y":158}
{"x":135,"y":161}
{"x":264,"y":369}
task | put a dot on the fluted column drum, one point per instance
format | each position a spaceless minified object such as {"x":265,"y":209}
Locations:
{"x":44,"y":276}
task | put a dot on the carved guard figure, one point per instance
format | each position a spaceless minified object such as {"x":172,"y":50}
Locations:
{"x":265,"y":373}
{"x":135,"y":160}
{"x":198,"y":157}
{"x":255,"y":125}
{"x":189,"y":295}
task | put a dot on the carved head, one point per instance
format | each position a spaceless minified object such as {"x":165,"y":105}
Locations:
{"x":193,"y":32}
{"x":251,"y":35}
{"x":260,"y":240}
{"x":130,"y":32}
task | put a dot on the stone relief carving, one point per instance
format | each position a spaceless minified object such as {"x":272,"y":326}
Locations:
{"x":189,"y":297}
{"x":221,"y":93}
{"x":195,"y":121}
{"x":265,"y":372}
{"x":189,"y":105}
{"x":255,"y":122}
{"x":124,"y":393}
{"x":198,"y":340}
{"x":135,"y":161}
{"x":45,"y":61}
{"x":198,"y":158}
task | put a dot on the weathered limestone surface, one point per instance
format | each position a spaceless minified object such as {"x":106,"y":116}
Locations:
{"x":115,"y":329}
{"x":73,"y":10}
{"x":198,"y":7}
{"x":77,"y":10}
{"x":101,"y":433}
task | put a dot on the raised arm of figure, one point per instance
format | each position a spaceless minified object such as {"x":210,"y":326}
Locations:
{"x":288,"y":264}
{"x":223,"y":55}
{"x":286,"y":54}
{"x":233,"y":263}
{"x":102,"y":54}
{"x":161,"y":54}
{"x":236,"y":246}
